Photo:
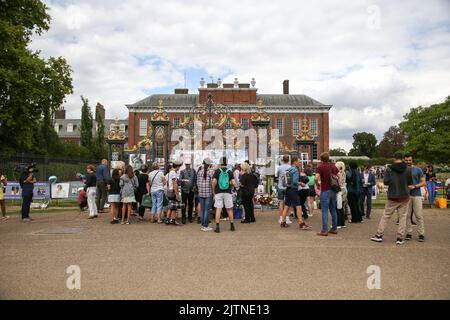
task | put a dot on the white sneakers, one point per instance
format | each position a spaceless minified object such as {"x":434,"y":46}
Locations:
{"x":206,"y":229}
{"x":288,"y":220}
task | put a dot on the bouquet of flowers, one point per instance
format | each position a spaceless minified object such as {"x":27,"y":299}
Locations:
{"x":264,"y":199}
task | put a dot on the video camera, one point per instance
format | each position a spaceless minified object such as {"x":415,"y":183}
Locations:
{"x":25,"y":168}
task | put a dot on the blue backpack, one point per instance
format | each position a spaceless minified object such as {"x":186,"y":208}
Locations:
{"x":224,"y":180}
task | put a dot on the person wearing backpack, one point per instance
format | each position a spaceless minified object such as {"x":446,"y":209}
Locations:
{"x":291,"y":180}
{"x":329,"y":186}
{"x":142,"y":177}
{"x":222,"y":183}
{"x":281,"y":189}
{"x":354,"y":190}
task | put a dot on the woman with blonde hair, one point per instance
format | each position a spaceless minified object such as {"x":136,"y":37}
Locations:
{"x":341,"y":196}
{"x":248,"y":184}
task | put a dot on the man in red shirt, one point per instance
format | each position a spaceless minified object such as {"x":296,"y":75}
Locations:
{"x":327,"y":196}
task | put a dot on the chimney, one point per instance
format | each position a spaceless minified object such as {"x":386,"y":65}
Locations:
{"x":181,"y":91}
{"x":60,"y":113}
{"x":99,"y":111}
{"x":286,"y":87}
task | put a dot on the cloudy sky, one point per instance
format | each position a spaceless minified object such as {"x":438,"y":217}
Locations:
{"x":372,"y":60}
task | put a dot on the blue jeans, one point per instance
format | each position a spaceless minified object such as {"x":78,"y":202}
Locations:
{"x":431,"y":187}
{"x":27,"y":198}
{"x":205,"y":206}
{"x":157,"y":201}
{"x":367,"y":194}
{"x":328,"y":202}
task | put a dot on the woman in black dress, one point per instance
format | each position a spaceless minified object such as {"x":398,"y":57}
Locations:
{"x":249,"y":182}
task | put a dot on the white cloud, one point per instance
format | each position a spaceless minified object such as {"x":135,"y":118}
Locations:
{"x":372,"y":60}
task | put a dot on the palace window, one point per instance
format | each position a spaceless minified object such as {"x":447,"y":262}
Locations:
{"x":314,"y":127}
{"x":142,"y":127}
{"x":70,"y":127}
{"x":280,"y":126}
{"x":176,"y":122}
{"x":122,"y":127}
{"x":228,"y":124}
{"x":296,"y":127}
{"x":244,"y":124}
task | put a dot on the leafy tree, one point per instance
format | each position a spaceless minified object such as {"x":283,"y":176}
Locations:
{"x":86,"y":125}
{"x":337,"y":152}
{"x":393,"y":140}
{"x":364,"y":144}
{"x":427,"y":132}
{"x":31,"y":88}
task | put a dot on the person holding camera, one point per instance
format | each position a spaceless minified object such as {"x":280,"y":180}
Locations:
{"x":27,"y":181}
{"x":3,"y":183}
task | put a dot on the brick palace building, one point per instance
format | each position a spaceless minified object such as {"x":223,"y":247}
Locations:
{"x":302,"y":121}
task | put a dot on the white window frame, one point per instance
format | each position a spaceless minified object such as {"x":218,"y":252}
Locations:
{"x":70,"y":127}
{"x":280,"y":128}
{"x":314,"y":124}
{"x":56,"y":127}
{"x":228,"y":124}
{"x":296,"y":127}
{"x":245,"y":124}
{"x":142,"y":127}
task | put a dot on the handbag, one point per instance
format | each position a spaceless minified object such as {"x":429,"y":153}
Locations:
{"x":165,"y":201}
{"x":239,"y":196}
{"x":146,"y":201}
{"x":334,"y":182}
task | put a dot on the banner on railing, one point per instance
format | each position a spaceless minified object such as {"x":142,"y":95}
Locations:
{"x":41,"y":191}
{"x":45,"y":190}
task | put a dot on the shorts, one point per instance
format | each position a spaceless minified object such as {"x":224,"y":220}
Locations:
{"x":221,"y":199}
{"x":196,"y":199}
{"x":174,"y":205}
{"x":292,"y":198}
{"x":312,"y":191}
{"x":113,"y":198}
{"x":131,"y":199}
{"x":281,"y":194}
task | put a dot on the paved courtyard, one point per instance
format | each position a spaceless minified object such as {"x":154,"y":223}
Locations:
{"x":258,"y":261}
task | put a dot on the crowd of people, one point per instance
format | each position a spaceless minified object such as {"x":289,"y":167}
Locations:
{"x":212,"y":191}
{"x":344,"y":193}
{"x":209,"y":189}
